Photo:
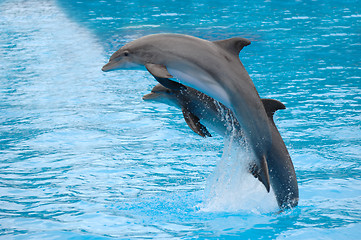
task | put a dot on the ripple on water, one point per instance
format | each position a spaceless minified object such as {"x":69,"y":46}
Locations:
{"x":82,"y":156}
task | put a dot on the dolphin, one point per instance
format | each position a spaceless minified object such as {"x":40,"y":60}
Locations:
{"x":201,"y":111}
{"x":213,"y":68}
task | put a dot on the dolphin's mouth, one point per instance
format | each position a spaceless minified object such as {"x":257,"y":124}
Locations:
{"x":125,"y":65}
{"x":151,"y":96}
{"x":107,"y":67}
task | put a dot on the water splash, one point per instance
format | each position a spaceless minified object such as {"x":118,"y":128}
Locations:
{"x":231,"y":188}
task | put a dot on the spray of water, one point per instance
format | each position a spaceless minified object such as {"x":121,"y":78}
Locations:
{"x":231,"y":187}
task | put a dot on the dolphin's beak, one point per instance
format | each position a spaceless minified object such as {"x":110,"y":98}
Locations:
{"x":107,"y":67}
{"x":151,"y":96}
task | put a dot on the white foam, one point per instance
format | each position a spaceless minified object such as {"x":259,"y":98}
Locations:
{"x":231,"y":188}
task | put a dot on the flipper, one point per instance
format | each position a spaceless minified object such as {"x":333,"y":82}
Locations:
{"x":194,"y":124}
{"x":166,"y":82}
{"x":233,"y":45}
{"x":158,"y":70}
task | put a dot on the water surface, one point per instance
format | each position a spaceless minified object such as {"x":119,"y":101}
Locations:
{"x":83,"y":157}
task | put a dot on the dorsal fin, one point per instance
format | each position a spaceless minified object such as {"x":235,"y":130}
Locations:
{"x":233,"y":45}
{"x":271,"y":106}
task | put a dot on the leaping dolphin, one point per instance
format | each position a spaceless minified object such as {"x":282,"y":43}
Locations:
{"x":213,"y":68}
{"x":201,"y":111}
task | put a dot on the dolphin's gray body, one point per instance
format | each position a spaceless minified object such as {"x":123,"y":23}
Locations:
{"x":199,"y":109}
{"x":213,"y":68}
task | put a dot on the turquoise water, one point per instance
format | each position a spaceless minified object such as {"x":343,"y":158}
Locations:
{"x":83,"y":157}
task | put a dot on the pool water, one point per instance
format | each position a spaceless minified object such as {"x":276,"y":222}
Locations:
{"x":82,"y":156}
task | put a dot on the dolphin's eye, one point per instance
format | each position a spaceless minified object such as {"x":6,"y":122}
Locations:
{"x":126,"y":53}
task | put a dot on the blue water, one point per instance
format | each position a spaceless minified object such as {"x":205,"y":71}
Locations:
{"x":83,"y":157}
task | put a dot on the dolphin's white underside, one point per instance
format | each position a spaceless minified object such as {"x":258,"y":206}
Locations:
{"x":198,"y":79}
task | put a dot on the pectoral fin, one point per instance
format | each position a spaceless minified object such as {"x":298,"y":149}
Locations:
{"x":158,"y":70}
{"x":166,"y":82}
{"x":194,"y":124}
